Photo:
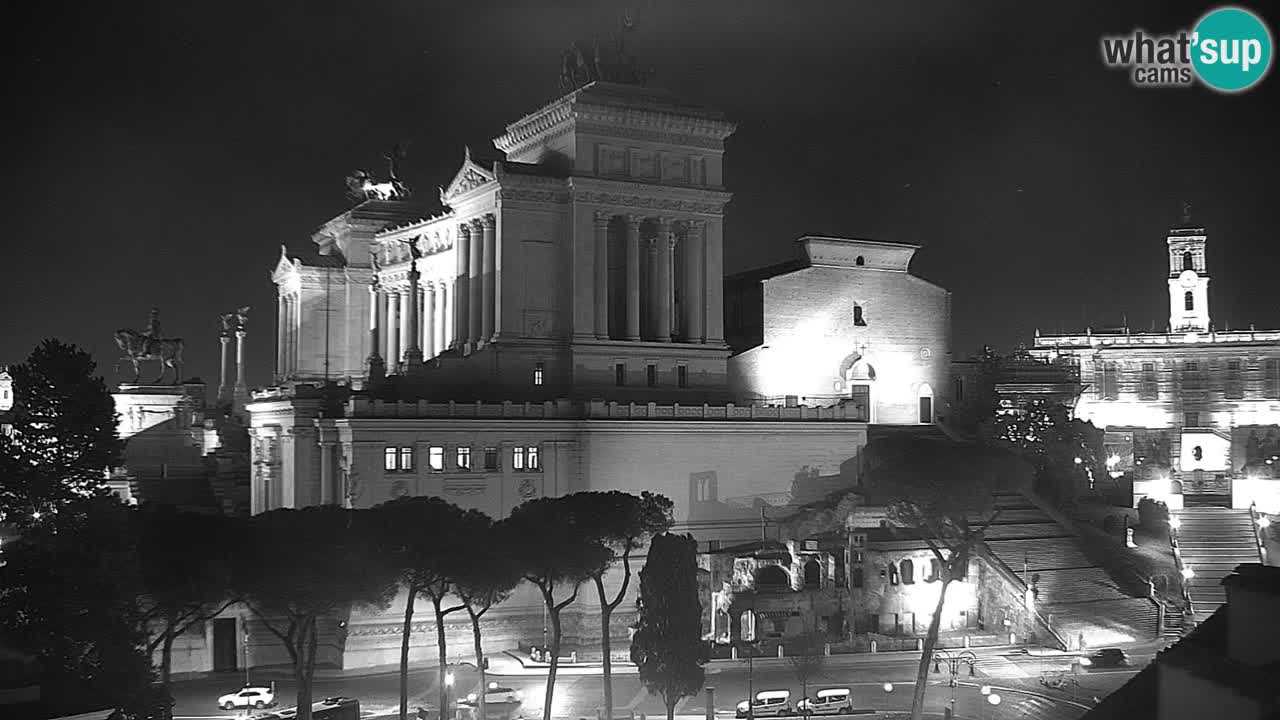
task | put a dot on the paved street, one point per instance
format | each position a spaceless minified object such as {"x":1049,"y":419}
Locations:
{"x":1015,"y":677}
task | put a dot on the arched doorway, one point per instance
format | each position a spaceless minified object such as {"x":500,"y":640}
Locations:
{"x":857,"y":378}
{"x":924,"y":398}
{"x":772,"y":577}
{"x":812,"y":575}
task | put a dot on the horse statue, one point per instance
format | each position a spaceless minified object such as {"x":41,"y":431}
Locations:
{"x":137,"y":347}
{"x":362,"y":185}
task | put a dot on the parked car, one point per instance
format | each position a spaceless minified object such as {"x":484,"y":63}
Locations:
{"x":497,"y":694}
{"x":831,"y":701}
{"x":248,"y":697}
{"x":767,"y":703}
{"x":1106,"y":658}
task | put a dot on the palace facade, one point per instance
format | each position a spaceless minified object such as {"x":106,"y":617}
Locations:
{"x":1194,"y":410}
{"x":560,"y":326}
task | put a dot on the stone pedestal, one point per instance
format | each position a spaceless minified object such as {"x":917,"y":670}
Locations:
{"x":164,"y":425}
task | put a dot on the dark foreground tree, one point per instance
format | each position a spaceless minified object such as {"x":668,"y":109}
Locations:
{"x":186,"y":574}
{"x":807,"y":657}
{"x":304,"y":566}
{"x":668,"y":646}
{"x":427,"y":541}
{"x":487,"y":577}
{"x":553,"y":550}
{"x":621,"y":522}
{"x":68,"y":595}
{"x":64,"y":435}
{"x":944,"y":494}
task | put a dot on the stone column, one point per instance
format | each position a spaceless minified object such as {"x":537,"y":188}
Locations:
{"x":405,"y":324}
{"x":713,"y":287}
{"x":694,"y":302}
{"x":327,"y":494}
{"x":649,"y":300}
{"x":412,"y":320}
{"x":461,"y":291}
{"x":242,"y":390}
{"x":282,"y":320}
{"x":475,"y":285}
{"x":429,"y":321}
{"x":666,"y":243}
{"x":488,"y":225}
{"x":291,"y":359}
{"x":393,"y":328}
{"x":444,"y":310}
{"x":222,"y":383}
{"x":633,"y":277}
{"x":602,"y":274}
{"x":377,"y":368}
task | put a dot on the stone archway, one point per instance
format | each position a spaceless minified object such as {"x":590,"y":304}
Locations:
{"x":924,"y":402}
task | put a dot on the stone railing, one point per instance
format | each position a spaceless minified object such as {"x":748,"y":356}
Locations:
{"x":598,"y":409}
{"x":1185,"y":338}
{"x":359,"y":407}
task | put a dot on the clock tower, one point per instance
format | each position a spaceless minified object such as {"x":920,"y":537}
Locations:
{"x":1188,"y":278}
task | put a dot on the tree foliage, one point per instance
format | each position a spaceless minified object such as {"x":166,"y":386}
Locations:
{"x":64,"y":435}
{"x":301,"y":566}
{"x":488,"y":578}
{"x":1065,"y":452}
{"x":69,"y":593}
{"x":667,"y":647}
{"x":807,"y":657}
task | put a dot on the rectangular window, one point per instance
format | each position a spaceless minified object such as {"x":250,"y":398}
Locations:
{"x":1271,"y":378}
{"x":1191,"y":419}
{"x":406,"y":459}
{"x":651,"y":375}
{"x":682,"y":376}
{"x":1148,"y":387}
{"x":620,"y":374}
{"x":389,"y":459}
{"x":435,"y":458}
{"x":1110,"y":382}
{"x":491,"y":458}
{"x":959,"y":389}
{"x":517,"y":458}
{"x":464,"y":458}
{"x":532,"y":461}
{"x":1233,"y":389}
{"x":537,"y":373}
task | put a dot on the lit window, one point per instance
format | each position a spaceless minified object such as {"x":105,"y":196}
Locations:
{"x":517,"y":458}
{"x":491,"y":458}
{"x":1189,"y":301}
{"x":531,"y":455}
{"x":651,"y":375}
{"x":435,"y":458}
{"x":682,"y":376}
{"x":464,"y":458}
{"x":620,"y":374}
{"x":537,"y":373}
{"x":406,"y":459}
{"x":389,"y":459}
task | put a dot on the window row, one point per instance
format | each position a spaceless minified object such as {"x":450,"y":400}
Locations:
{"x":1191,"y":375}
{"x":650,"y":375}
{"x":524,"y":458}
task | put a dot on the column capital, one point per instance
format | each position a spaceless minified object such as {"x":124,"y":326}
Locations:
{"x":488,"y":221}
{"x":634,"y":220}
{"x":477,"y":225}
{"x":602,"y":218}
{"x":464,"y":229}
{"x":653,"y":244}
{"x":665,"y":224}
{"x":697,"y":224}
{"x":240,"y":333}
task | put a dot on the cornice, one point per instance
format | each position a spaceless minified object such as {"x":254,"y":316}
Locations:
{"x":650,"y":197}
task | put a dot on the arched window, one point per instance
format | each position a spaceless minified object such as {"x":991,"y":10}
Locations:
{"x":1188,"y":300}
{"x":908,"y":572}
{"x":1175,"y":487}
{"x":1188,"y":262}
{"x":935,"y":570}
{"x":857,"y":316}
{"x":859,"y":261}
{"x":812,"y":575}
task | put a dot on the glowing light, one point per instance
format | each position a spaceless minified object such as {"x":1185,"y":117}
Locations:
{"x":493,"y":686}
{"x":1085,"y":662}
{"x":993,"y":698}
{"x":1078,"y":461}
{"x":985,"y":689}
{"x":1113,"y":460}
{"x":448,"y":679}
{"x":1174,"y":523}
{"x":36,"y":515}
{"x":1264,"y":521}
{"x":888,"y":687}
{"x":1188,"y":573}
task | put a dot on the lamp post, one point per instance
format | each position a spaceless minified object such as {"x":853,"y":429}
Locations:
{"x":246,"y":658}
{"x":888,"y":690}
{"x":953,"y":665}
{"x":448,"y":702}
{"x":993,"y":700}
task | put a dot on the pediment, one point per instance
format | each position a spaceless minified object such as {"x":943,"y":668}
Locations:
{"x":469,"y":177}
{"x":285,"y":267}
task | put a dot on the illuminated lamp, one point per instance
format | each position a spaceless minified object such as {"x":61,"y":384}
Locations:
{"x":1264,"y":521}
{"x":1188,"y":573}
{"x":1175,"y":522}
{"x":994,"y":699}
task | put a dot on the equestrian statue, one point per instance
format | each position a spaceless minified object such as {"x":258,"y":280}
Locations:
{"x":361,"y":184}
{"x":150,"y":345}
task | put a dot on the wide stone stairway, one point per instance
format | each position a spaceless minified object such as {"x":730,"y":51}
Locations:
{"x":1212,"y":541}
{"x":1076,"y":596}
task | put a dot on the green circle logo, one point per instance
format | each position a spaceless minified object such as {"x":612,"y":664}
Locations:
{"x":1231,"y":49}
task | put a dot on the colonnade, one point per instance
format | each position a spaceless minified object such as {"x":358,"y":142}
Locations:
{"x":400,"y":311}
{"x":288,"y":324}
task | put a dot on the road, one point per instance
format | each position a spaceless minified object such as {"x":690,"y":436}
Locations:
{"x":578,"y":694}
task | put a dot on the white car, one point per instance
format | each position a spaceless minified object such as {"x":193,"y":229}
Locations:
{"x":496,"y":694}
{"x":833,"y":701}
{"x":767,"y":703}
{"x":248,"y":697}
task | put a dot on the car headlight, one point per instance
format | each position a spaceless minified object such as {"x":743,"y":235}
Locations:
{"x":471,"y":698}
{"x":742,"y":707}
{"x":1085,"y":662}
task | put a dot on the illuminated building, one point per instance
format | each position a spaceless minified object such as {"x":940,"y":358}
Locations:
{"x":1195,"y":408}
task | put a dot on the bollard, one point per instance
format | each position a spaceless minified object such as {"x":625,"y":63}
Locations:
{"x":919,"y":645}
{"x":711,"y":703}
{"x":780,"y":652}
{"x":1013,"y":638}
{"x":733,"y":652}
{"x":873,"y":646}
{"x":826,"y":649}
{"x":966,"y":641}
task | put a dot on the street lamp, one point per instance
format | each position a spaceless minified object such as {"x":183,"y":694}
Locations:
{"x":994,"y":701}
{"x":888,"y":688}
{"x":953,"y":665}
{"x":246,"y":658}
{"x":1187,"y":572}
{"x":448,"y":688}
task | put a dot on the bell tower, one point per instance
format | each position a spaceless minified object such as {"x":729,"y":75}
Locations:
{"x":1188,"y":277}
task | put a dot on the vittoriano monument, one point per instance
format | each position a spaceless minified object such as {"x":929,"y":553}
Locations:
{"x":581,"y":66}
{"x":150,"y":345}
{"x":361,"y":184}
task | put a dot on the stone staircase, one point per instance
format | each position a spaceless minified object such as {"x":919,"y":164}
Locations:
{"x":1212,"y":541}
{"x":1076,"y":597}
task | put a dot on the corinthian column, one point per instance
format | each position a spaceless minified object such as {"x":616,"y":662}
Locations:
{"x":282,"y":320}
{"x":377,"y":368}
{"x":222,"y":383}
{"x":490,"y":276}
{"x":694,"y":302}
{"x":633,"y":277}
{"x":666,"y":243}
{"x":475,"y":283}
{"x":461,"y":289}
{"x":412,"y":321}
{"x":444,"y":317}
{"x":405,"y":326}
{"x":242,"y":390}
{"x":429,"y":321}
{"x":602,"y":274}
{"x":393,"y":328}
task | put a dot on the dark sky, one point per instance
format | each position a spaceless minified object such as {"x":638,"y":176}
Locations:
{"x":160,"y":153}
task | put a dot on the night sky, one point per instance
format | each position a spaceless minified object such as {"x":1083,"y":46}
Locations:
{"x":160,"y":153}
